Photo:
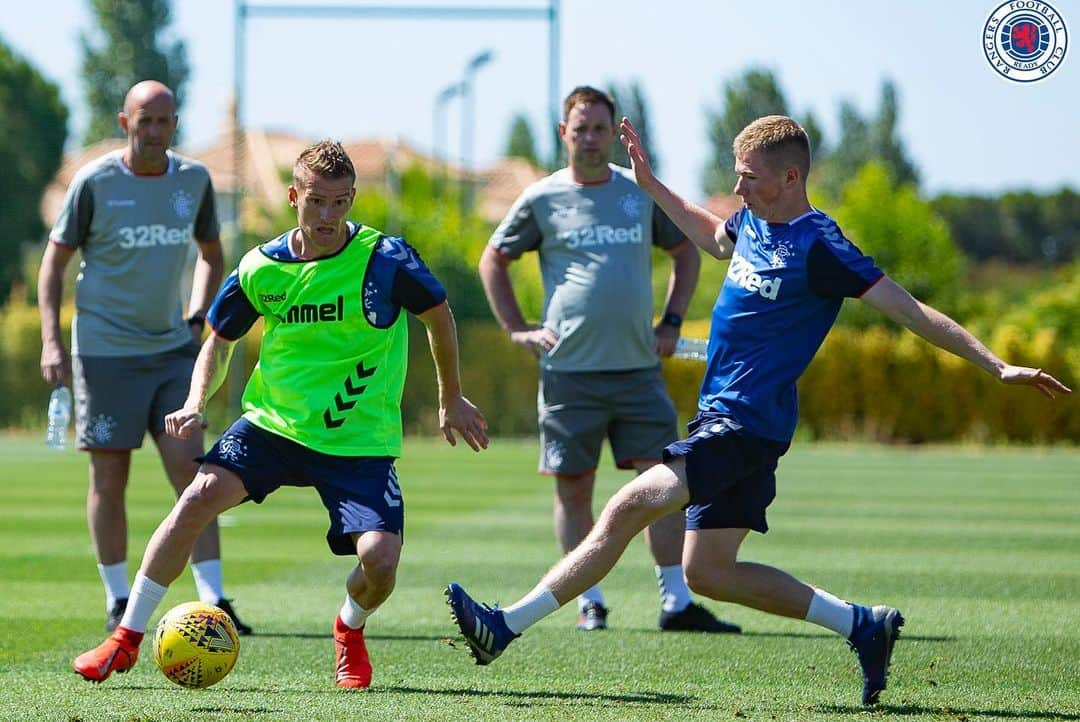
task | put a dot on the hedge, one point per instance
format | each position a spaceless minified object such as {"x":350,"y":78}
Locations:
{"x":877,"y":384}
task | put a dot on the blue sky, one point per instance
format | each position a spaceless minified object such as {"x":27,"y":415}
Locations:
{"x":967,"y":128}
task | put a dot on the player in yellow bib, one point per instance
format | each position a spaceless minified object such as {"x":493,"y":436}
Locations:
{"x":322,"y":407}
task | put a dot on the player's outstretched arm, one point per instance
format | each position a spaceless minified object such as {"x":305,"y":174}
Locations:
{"x":209,"y":374}
{"x":702,"y":227}
{"x":455,"y":411}
{"x":895,"y":302}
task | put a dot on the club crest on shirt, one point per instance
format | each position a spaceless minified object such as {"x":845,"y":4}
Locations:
{"x":631,"y":206}
{"x":777,"y":251}
{"x":780,"y":255}
{"x":182,"y":203}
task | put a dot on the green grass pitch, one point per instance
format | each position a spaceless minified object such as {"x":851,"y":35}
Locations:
{"x":980,"y":548}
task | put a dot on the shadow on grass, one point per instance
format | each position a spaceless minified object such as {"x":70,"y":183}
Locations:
{"x":328,"y":636}
{"x":524,"y":696}
{"x":890,"y":710}
{"x":520,"y":697}
{"x":820,"y":635}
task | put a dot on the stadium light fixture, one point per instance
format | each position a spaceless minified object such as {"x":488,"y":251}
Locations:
{"x":467,"y":123}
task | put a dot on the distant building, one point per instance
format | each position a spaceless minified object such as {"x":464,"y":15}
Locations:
{"x":266,"y":159}
{"x":723,"y":205}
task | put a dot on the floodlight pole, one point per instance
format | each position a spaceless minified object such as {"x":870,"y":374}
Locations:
{"x":438,"y":131}
{"x":238,"y":366}
{"x":467,"y":129}
{"x":553,"y":81}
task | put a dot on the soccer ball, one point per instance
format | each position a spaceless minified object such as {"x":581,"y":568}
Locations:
{"x":195,"y":645}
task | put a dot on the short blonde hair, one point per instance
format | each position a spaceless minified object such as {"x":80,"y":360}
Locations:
{"x":327,"y":158}
{"x":779,"y":137}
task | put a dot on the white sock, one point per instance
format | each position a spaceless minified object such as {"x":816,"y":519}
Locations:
{"x":115,"y":579}
{"x":146,"y":594}
{"x":208,"y":581}
{"x":353,"y":614}
{"x":674,"y":594}
{"x":531,"y":608}
{"x":592,"y":594}
{"x":831,"y":612}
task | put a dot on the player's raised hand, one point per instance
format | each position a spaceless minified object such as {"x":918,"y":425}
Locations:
{"x":182,"y":423}
{"x":639,"y":156}
{"x":460,"y":414}
{"x":1034,"y":377}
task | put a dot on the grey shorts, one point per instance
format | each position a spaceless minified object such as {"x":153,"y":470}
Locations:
{"x":119,"y":398}
{"x":579,"y":409}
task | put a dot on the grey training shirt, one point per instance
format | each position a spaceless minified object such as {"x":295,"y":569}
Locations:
{"x":595,"y":244}
{"x":135,"y":233}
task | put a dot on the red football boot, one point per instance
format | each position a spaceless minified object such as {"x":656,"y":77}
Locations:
{"x":116,"y":654}
{"x":353,"y":665}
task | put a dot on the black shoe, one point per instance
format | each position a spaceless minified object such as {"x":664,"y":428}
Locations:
{"x":696,"y":618}
{"x":224,"y":605}
{"x":116,"y":614}
{"x":592,"y":618}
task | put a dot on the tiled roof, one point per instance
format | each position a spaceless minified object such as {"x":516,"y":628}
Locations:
{"x":723,"y":205}
{"x":267,"y":158}
{"x":52,"y":200}
{"x":501,"y":184}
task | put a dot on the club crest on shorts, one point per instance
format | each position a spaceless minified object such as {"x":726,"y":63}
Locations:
{"x":554,"y":453}
{"x":100,"y":428}
{"x":230,"y":447}
{"x":1025,"y":40}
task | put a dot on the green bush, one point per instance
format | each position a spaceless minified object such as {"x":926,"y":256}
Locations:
{"x":872,"y":383}
{"x":26,"y":395}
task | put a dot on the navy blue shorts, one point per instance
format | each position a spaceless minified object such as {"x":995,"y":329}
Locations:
{"x":361,"y":493}
{"x":731,"y":474}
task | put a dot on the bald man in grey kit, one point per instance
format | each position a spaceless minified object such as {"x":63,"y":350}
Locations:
{"x":135,"y":215}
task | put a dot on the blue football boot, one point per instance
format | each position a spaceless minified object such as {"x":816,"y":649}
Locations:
{"x":872,"y":637}
{"x":484,"y":628}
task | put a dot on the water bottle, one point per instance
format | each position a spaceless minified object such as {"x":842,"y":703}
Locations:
{"x":693,"y":349}
{"x":59,"y":416}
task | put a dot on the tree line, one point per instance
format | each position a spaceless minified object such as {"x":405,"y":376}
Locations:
{"x":131,"y":41}
{"x":1017,"y":227}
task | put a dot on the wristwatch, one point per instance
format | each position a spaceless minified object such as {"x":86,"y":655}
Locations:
{"x":672,"y":319}
{"x":196,"y":319}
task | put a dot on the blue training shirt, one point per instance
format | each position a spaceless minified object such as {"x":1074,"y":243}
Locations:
{"x":782,"y":293}
{"x":395,"y":278}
